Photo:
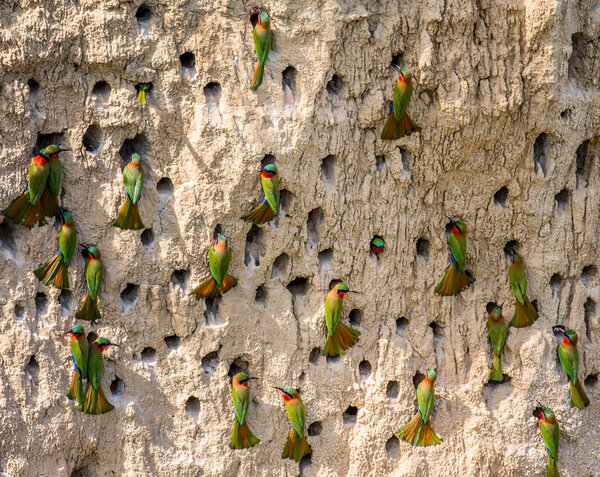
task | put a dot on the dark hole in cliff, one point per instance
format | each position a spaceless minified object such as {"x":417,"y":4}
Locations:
{"x":490,"y":307}
{"x":509,"y":248}
{"x":500,"y":196}
{"x":34,"y":89}
{"x":260,"y":294}
{"x":211,"y":315}
{"x":355,"y":317}
{"x":147,"y":238}
{"x":101,"y":91}
{"x":117,"y":386}
{"x":333,"y":283}
{"x":192,"y":407}
{"x":589,"y":313}
{"x":591,"y":381}
{"x":583,"y":68}
{"x":540,"y":151}
{"x":188,"y":60}
{"x":379,"y":163}
{"x":364,"y":369}
{"x":45,"y":140}
{"x":396,"y":61}
{"x":149,"y":355}
{"x":535,"y":305}
{"x":298,"y":286}
{"x":239,"y":365}
{"x":588,"y":274}
{"x":288,"y":83}
{"x":19,"y":312}
{"x":556,"y":283}
{"x":314,"y":356}
{"x":423,"y":247}
{"x":435,"y":328}
{"x":41,"y":304}
{"x":315,"y":428}
{"x":165,"y":188}
{"x":212,"y":93}
{"x":332,"y":360}
{"x":314,"y":224}
{"x":93,"y":138}
{"x":563,"y":198}
{"x":139,"y":144}
{"x":129,"y":295}
{"x":7,"y":241}
{"x":285,"y":202}
{"x":253,"y":246}
{"x":66,"y":301}
{"x":401,"y":324}
{"x":335,"y":85}
{"x":392,"y":448}
{"x":305,"y":464}
{"x":584,"y":158}
{"x":350,"y":415}
{"x":392,"y":390}
{"x":172,"y":342}
{"x":91,"y":337}
{"x":328,"y":166}
{"x":180,"y":277}
{"x":417,"y":378}
{"x":324,"y":258}
{"x":266,"y":160}
{"x":32,"y":368}
{"x":280,"y":266}
{"x":143,"y":14}
{"x":210,"y":362}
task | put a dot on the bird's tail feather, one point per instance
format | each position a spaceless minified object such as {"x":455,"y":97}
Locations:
{"x":76,"y":389}
{"x":579,"y":398}
{"x":242,"y":437}
{"x":551,"y":468}
{"x":129,"y":216}
{"x":396,"y":129}
{"x":141,"y":97}
{"x":343,"y":337}
{"x":295,"y":447}
{"x":95,"y":401}
{"x":260,"y":215}
{"x":54,"y":272}
{"x":207,"y":289}
{"x":524,"y":315}
{"x":257,"y":79}
{"x":418,"y":433}
{"x":496,"y":374}
{"x":49,"y":203}
{"x":228,"y":283}
{"x":89,"y":309}
{"x":454,"y":280}
{"x":22,"y":211}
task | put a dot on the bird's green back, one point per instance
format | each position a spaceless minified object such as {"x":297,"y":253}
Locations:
{"x":94,"y":272}
{"x":458,"y":247}
{"x":67,"y":239}
{"x":219,"y":264}
{"x":497,"y":332}
{"x":241,"y":401}
{"x":262,"y":42}
{"x":425,"y":399}
{"x":80,"y":350}
{"x":270,"y":187}
{"x":333,"y":311}
{"x":54,"y":176}
{"x":550,"y":434}
{"x":517,"y":277}
{"x":38,"y":175}
{"x":295,"y":410}
{"x":569,"y":360}
{"x":401,"y":100}
{"x":95,"y":365}
{"x":133,"y":178}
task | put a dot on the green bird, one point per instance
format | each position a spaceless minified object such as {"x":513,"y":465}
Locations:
{"x":550,"y":434}
{"x":95,"y":401}
{"x":49,"y":198}
{"x":418,"y":431}
{"x":399,"y":123}
{"x":497,"y":330}
{"x":339,"y":336}
{"x":270,"y":204}
{"x":262,"y":46}
{"x":219,"y":282}
{"x":525,"y":313}
{"x":569,"y":360}
{"x":296,"y":446}
{"x":80,"y":352}
{"x":94,"y":271}
{"x":133,"y":178}
{"x":55,"y":271}
{"x":457,"y":277}
{"x":241,"y":435}
{"x":142,"y":88}
{"x":27,"y":208}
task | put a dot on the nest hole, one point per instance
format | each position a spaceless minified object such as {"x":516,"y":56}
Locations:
{"x":315,"y":428}
{"x":540,"y":151}
{"x":335,"y":85}
{"x":117,"y":386}
{"x":324,"y":258}
{"x":401,"y":324}
{"x":392,"y":390}
{"x":423,"y":247}
{"x":298,"y":287}
{"x":364,"y":369}
{"x":147,"y":238}
{"x":101,"y":92}
{"x":129,"y":296}
{"x":239,"y":365}
{"x":138,"y":144}
{"x":314,"y":224}
{"x":556,"y":283}
{"x":41,"y":304}
{"x":93,"y":138}
{"x":180,"y":277}
{"x":192,"y":407}
{"x":188,"y":60}
{"x":210,"y":362}
{"x":417,"y":378}
{"x":314,"y":356}
{"x":328,"y":166}
{"x":355,"y":317}
{"x":149,"y":355}
{"x":379,"y":163}
{"x":165,"y":188}
{"x":500,"y":196}
{"x":172,"y":342}
{"x":212,"y":93}
{"x":562,"y":199}
{"x":253,"y":246}
{"x":211,"y":315}
{"x":260,"y":294}
{"x":280,"y":266}
{"x":349,"y":415}
{"x":588,"y":274}
{"x":392,"y":448}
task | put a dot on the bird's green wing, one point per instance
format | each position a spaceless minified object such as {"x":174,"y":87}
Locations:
{"x":458,"y":247}
{"x":38,"y":175}
{"x":241,"y":401}
{"x":518,"y":283}
{"x":95,"y":366}
{"x":271,"y":190}
{"x":550,"y":434}
{"x":139,"y":185}
{"x":67,"y":239}
{"x":425,"y":399}
{"x":93,"y":276}
{"x":333,"y":311}
{"x":295,"y":412}
{"x":497,"y":331}
{"x":218,"y":264}
{"x":569,"y":360}
{"x":262,"y":44}
{"x":401,"y":100}
{"x":54,"y":176}
{"x":258,"y":43}
{"x":81,"y":360}
{"x":133,"y":178}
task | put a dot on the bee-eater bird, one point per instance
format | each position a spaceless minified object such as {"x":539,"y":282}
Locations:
{"x":550,"y":434}
{"x":497,"y":330}
{"x":133,"y":178}
{"x":569,"y":360}
{"x":525,"y":313}
{"x":80,"y":352}
{"x":377,"y":245}
{"x":54,"y":272}
{"x":94,"y":271}
{"x":241,"y":436}
{"x":142,"y":88}
{"x":262,"y":46}
{"x":457,"y":277}
{"x":95,"y":401}
{"x":399,"y":123}
{"x":219,"y":258}
{"x":418,"y":431}
{"x":49,"y":198}
{"x":296,"y":446}
{"x":270,"y":204}
{"x":27,"y":208}
{"x":339,"y":336}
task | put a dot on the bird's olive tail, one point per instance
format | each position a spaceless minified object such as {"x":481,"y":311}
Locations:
{"x":207,"y":289}
{"x":343,"y":337}
{"x":579,"y":398}
{"x":418,"y":433}
{"x":141,"y":97}
{"x":551,"y":468}
{"x":242,"y":437}
{"x":49,"y":203}
{"x":95,"y":401}
{"x":76,"y":390}
{"x":454,"y":281}
{"x":54,"y":272}
{"x":21,"y":211}
{"x":295,"y":447}
{"x":89,"y":309}
{"x":257,"y":79}
{"x":260,"y":215}
{"x":129,"y":216}
{"x":525,"y":315}
{"x":396,"y":129}
{"x":496,"y":374}
{"x":228,"y":283}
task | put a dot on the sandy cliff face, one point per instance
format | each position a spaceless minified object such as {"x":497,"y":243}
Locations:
{"x":508,"y":95}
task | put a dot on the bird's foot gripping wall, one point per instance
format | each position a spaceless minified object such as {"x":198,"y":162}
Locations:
{"x":507,"y":95}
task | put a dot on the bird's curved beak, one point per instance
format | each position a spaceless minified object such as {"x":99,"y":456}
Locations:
{"x":278,"y":389}
{"x":63,"y":150}
{"x":250,"y":377}
{"x":114,"y":344}
{"x":67,"y":332}
{"x":353,"y":291}
{"x":451,"y":220}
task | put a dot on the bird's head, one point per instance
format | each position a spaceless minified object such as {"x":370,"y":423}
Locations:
{"x":405,"y":75}
{"x":431,"y":374}
{"x":54,"y":149}
{"x":135,"y":158}
{"x":269,"y":171}
{"x":570,"y":337}
{"x":242,"y":379}
{"x":517,"y":258}
{"x":76,"y":330}
{"x":263,"y":19}
{"x":104,"y":343}
{"x":92,"y":252}
{"x":287,"y":392}
{"x":341,"y":289}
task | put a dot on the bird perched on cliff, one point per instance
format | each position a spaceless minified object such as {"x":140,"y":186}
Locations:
{"x":497,"y":330}
{"x":262,"y":46}
{"x":457,"y":277}
{"x":377,"y":245}
{"x":94,"y":271}
{"x":418,"y":431}
{"x":270,"y":204}
{"x":142,"y":89}
{"x":399,"y":123}
{"x":550,"y":434}
{"x":339,"y":336}
{"x":55,"y":271}
{"x":133,"y":178}
{"x":80,"y":352}
{"x":296,"y":446}
{"x":49,"y":198}
{"x":569,"y":360}
{"x":95,"y":401}
{"x":241,"y":435}
{"x":219,"y":258}
{"x":525,"y":313}
{"x":29,"y":208}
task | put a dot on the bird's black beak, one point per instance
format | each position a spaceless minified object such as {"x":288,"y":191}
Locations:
{"x":559,"y":328}
{"x":279,"y":389}
{"x":451,"y":220}
{"x":353,"y":291}
{"x":67,"y":332}
{"x":63,"y":150}
{"x":250,"y":377}
{"x":114,"y":344}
